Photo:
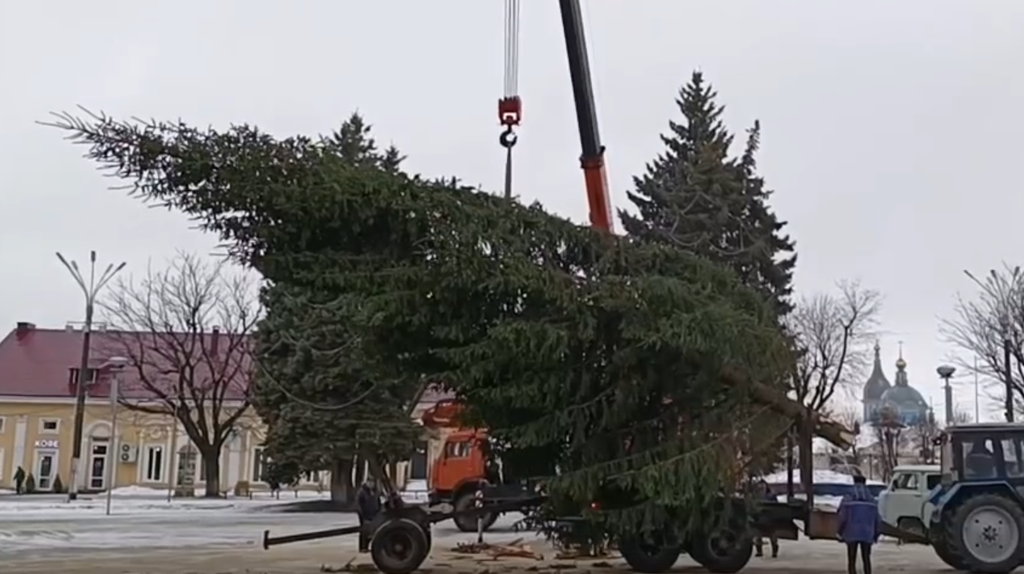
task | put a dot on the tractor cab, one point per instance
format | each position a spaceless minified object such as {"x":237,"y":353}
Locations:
{"x":983,"y":452}
{"x":978,"y":521}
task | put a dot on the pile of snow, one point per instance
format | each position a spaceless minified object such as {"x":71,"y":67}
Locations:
{"x":416,"y":492}
{"x":824,"y":503}
{"x":819,"y":477}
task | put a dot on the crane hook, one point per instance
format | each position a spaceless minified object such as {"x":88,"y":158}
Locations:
{"x":508,"y":137}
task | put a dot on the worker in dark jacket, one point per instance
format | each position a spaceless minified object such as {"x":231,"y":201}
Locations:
{"x":368,"y":506}
{"x":764,"y":491}
{"x":860,"y":525}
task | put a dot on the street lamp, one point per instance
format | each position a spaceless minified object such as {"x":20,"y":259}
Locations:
{"x":946,"y":373}
{"x":90,"y":289}
{"x":116,"y":364}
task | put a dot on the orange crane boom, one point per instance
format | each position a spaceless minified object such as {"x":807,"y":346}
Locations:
{"x":592,"y":158}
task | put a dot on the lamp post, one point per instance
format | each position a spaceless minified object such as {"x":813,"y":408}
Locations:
{"x":90,"y":289}
{"x":946,"y":373}
{"x":117,"y":364}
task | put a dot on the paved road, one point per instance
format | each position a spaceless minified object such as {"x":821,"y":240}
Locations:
{"x":224,"y":542}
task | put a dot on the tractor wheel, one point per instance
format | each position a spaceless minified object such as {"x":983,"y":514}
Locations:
{"x":648,"y":557}
{"x":984,"y":534}
{"x":725,"y":551}
{"x":468,"y":523}
{"x":399,"y":546}
{"x":940,"y":544}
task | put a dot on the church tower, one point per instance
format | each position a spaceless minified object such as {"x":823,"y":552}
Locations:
{"x":876,"y":386}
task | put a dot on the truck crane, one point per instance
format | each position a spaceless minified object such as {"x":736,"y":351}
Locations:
{"x":401,"y":535}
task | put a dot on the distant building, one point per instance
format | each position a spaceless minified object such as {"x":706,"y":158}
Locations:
{"x":874,"y":388}
{"x":900,"y":401}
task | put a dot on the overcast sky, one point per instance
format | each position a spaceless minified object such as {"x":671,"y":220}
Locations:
{"x":891,"y":130}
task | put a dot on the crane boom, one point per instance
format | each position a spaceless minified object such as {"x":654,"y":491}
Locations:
{"x":592,"y":158}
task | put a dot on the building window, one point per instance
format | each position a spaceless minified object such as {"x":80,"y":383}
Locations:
{"x":259,"y":462}
{"x":154,"y":464}
{"x":90,"y":375}
{"x":49,"y":426}
{"x":2,"y":425}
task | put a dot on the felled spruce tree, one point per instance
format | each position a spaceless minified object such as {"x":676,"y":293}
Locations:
{"x":623,"y":364}
{"x":322,"y":404}
{"x":698,"y":197}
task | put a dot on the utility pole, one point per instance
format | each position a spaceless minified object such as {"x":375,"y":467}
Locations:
{"x":1007,"y":370}
{"x":90,"y":289}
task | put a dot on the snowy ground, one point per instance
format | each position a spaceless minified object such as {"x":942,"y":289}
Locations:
{"x":148,"y":535}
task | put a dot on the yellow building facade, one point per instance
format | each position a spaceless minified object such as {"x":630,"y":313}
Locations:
{"x":39,"y":374}
{"x":138,"y":450}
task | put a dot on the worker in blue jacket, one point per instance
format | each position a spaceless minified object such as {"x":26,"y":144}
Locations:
{"x":860,"y":525}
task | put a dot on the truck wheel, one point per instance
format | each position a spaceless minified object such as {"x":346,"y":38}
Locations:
{"x":724,"y":552}
{"x":399,"y":546}
{"x":984,"y":534}
{"x":648,"y":557}
{"x":468,"y":523}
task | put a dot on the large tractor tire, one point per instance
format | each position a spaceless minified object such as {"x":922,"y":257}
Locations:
{"x":984,"y":534}
{"x":724,"y":551}
{"x":399,"y":546}
{"x":940,"y":544}
{"x":648,"y":557}
{"x":466,"y":523}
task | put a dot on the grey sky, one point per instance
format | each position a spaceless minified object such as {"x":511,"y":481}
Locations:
{"x":891,"y":129}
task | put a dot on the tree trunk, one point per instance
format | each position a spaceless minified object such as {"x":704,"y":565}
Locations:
{"x":360,"y":465}
{"x":211,"y":460}
{"x":342,"y":490}
{"x":806,"y":450}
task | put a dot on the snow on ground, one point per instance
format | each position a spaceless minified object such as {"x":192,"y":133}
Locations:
{"x":136,"y":500}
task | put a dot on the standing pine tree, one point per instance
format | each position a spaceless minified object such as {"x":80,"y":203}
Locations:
{"x":699,"y":198}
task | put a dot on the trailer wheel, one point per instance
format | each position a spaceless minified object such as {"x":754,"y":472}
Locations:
{"x":399,"y":546}
{"x":468,"y":523}
{"x":724,"y":551}
{"x":648,"y":557}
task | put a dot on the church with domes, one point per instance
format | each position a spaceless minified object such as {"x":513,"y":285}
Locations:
{"x":901,"y":401}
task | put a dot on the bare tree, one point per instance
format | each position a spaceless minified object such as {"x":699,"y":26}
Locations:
{"x":186,"y":331}
{"x":850,"y":417}
{"x":892,"y":441}
{"x":980,"y":324}
{"x":833,"y":334}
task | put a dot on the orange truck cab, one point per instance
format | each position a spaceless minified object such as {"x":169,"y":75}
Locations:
{"x":464,"y":467}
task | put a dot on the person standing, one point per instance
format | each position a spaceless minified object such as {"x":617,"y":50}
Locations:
{"x":860,"y":525}
{"x":765,"y":492}
{"x":367,"y":507}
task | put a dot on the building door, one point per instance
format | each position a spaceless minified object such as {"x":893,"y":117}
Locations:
{"x":46,"y":468}
{"x":98,"y":465}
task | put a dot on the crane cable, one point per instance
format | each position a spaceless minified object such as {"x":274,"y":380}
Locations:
{"x":510,"y":107}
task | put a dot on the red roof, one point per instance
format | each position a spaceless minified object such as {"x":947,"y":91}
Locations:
{"x":43,"y":363}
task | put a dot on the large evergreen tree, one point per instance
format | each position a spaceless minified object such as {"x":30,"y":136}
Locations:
{"x":698,"y":197}
{"x":321,"y":401}
{"x":622,"y":364}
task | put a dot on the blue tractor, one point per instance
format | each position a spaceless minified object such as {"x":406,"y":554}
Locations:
{"x":978,"y":522}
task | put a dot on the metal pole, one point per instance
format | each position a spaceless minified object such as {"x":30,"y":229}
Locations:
{"x":949,"y":402}
{"x":1008,"y":375}
{"x":113,"y":436}
{"x":90,"y":290}
{"x":977,"y":403}
{"x":83,"y":371}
